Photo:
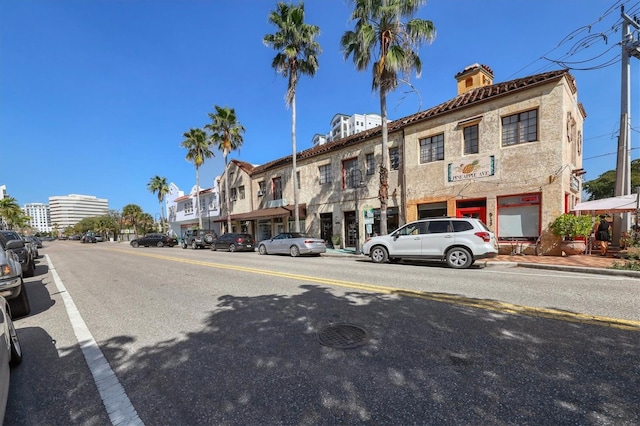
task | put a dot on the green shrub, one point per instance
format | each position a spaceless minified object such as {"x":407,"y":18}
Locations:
{"x":569,"y":226}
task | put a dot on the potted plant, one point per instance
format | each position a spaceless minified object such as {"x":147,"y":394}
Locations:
{"x":569,"y":227}
{"x":335,"y":240}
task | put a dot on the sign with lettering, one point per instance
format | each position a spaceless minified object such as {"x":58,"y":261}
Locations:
{"x":471,"y":169}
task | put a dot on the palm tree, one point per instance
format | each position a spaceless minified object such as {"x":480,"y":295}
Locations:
{"x":380,"y":32}
{"x":298,"y":53}
{"x":159,"y":185}
{"x":131,"y":213}
{"x":10,"y":211}
{"x":226,"y":132}
{"x":198,"y":150}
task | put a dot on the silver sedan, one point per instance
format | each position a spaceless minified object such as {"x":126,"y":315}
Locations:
{"x":293,"y":243}
{"x":10,"y":352}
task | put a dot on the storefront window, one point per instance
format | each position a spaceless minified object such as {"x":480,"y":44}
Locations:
{"x":519,"y":217}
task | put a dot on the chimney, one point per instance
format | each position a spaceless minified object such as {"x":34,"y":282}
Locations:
{"x":474,"y":76}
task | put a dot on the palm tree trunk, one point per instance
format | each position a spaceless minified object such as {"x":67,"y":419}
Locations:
{"x":294,"y":172}
{"x":226,"y":190}
{"x":383,"y":193}
{"x":198,"y":198}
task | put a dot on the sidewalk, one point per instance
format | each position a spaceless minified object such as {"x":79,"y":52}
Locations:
{"x":593,"y":263}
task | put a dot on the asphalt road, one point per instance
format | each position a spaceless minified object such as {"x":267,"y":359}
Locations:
{"x":169,"y":336}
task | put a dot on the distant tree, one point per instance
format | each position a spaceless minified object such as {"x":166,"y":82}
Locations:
{"x":158,"y":185}
{"x":226,"y":133}
{"x":298,"y":53}
{"x":146,"y":222}
{"x":380,"y":33}
{"x":198,"y":150}
{"x":604,"y":186}
{"x":131,"y":214}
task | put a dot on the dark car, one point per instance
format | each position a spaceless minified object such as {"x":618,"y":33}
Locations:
{"x":234,"y":242}
{"x":24,"y":254}
{"x":154,"y":240}
{"x":88,"y":238}
{"x":198,"y":238}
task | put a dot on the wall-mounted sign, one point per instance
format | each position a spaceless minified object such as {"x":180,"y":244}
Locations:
{"x":465,"y":170}
{"x":575,"y":184}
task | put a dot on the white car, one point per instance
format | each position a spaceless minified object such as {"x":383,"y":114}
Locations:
{"x":294,"y":244}
{"x":457,"y":241}
{"x":10,"y":352}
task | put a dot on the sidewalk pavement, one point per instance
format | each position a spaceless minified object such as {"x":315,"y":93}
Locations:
{"x":593,"y":263}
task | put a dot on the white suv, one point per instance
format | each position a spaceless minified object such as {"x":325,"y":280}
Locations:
{"x":458,"y":241}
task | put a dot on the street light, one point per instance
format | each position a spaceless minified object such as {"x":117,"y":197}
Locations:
{"x":356,"y":185}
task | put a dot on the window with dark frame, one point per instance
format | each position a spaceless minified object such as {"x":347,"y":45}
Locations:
{"x":241,"y":192}
{"x":470,"y":139}
{"x":277,"y":188}
{"x":370,"y":164}
{"x":520,"y":128}
{"x":349,"y":174}
{"x":394,"y":157}
{"x":325,"y":174}
{"x":262,"y":185}
{"x":432,"y":149}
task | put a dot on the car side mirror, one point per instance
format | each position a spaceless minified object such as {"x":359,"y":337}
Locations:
{"x":14,"y":244}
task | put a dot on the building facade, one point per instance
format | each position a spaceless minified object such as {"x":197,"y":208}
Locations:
{"x":509,"y":154}
{"x":67,"y":210}
{"x":181,"y":209}
{"x":39,"y":216}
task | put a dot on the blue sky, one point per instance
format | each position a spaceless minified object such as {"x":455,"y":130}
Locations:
{"x":95,"y":95}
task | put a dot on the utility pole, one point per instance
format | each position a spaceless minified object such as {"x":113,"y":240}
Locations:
{"x":630,"y":47}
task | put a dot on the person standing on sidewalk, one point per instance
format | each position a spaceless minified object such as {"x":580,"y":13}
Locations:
{"x":601,"y":231}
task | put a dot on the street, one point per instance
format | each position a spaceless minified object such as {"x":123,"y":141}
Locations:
{"x":199,"y":337}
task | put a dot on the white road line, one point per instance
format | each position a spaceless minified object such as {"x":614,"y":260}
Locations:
{"x":114,"y":397}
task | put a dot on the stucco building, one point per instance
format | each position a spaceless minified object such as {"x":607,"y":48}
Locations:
{"x":508,"y":153}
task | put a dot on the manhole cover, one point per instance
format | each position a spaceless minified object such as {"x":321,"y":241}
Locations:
{"x":342,"y":336}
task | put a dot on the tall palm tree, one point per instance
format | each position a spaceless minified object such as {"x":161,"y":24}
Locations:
{"x":198,"y":150}
{"x":159,"y":185}
{"x":226,"y":132}
{"x":298,"y":53}
{"x":380,"y":33}
{"x":10,"y":211}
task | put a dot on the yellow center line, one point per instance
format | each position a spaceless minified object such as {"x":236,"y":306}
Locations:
{"x":491,"y":305}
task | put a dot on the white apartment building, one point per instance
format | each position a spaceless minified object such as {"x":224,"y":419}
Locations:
{"x":39,"y":216}
{"x":343,"y":125}
{"x":181,"y":209}
{"x":67,"y":210}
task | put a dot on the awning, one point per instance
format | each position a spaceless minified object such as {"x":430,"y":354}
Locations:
{"x":287,"y":211}
{"x":621,"y":204}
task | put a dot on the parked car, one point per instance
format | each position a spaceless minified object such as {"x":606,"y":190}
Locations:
{"x":88,"y":238}
{"x":99,"y":238}
{"x":38,"y":241}
{"x":25,"y":255}
{"x":10,"y":352}
{"x":293,"y":243}
{"x":234,"y":242}
{"x":11,"y":272}
{"x":198,"y":238}
{"x":32,"y":245}
{"x":63,"y":237}
{"x":457,"y":241}
{"x":154,"y":239}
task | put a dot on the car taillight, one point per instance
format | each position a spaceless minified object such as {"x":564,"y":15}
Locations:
{"x":486,"y":237}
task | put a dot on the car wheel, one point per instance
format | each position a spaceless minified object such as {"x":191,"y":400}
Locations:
{"x":160,"y":244}
{"x":459,"y":258}
{"x":208,"y":238}
{"x":294,"y":251}
{"x":232,"y":247}
{"x":194,"y":246}
{"x":262,"y":249}
{"x":20,"y":305}
{"x":134,"y":244}
{"x":16,"y":349}
{"x":31,"y":269}
{"x":184,"y":245}
{"x":379,"y":254}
